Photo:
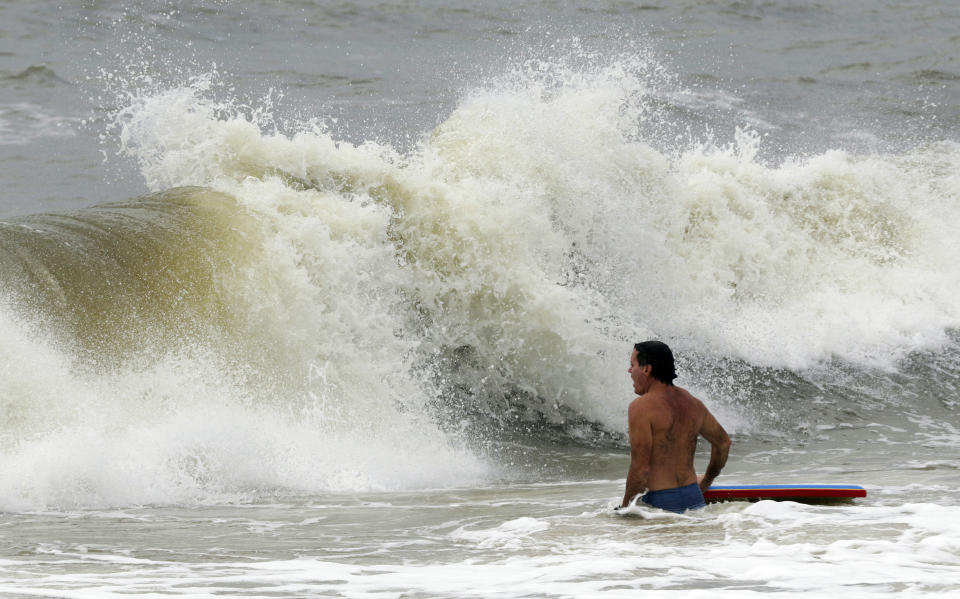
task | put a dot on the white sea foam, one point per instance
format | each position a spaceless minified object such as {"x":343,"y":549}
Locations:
{"x":545,"y":195}
{"x":729,"y":550}
{"x":511,"y":534}
{"x":183,"y":430}
{"x":535,"y":216}
{"x":528,"y":239}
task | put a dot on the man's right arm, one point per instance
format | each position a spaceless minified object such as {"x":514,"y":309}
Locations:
{"x":720,"y":448}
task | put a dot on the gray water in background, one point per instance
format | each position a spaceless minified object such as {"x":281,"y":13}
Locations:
{"x":862,"y":76}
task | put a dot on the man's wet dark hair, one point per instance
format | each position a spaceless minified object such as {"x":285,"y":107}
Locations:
{"x":660,"y":359}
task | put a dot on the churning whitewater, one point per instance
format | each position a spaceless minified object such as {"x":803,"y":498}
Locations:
{"x":295,"y":313}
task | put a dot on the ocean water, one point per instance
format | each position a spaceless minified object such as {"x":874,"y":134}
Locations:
{"x":336,"y":299}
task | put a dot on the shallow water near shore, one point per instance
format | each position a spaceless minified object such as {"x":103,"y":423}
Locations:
{"x":540,"y":537}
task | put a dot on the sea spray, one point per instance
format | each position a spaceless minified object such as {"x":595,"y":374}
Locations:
{"x":192,"y":428}
{"x":384,"y":302}
{"x":545,"y":197}
{"x":715,"y":226}
{"x":277,"y":392}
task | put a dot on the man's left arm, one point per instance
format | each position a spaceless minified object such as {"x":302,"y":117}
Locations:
{"x":719,"y":449}
{"x":641,"y":445}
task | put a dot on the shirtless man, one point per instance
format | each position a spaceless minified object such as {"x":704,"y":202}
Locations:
{"x":665,"y":422}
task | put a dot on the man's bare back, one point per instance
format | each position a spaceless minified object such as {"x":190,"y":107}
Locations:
{"x":664,"y":424}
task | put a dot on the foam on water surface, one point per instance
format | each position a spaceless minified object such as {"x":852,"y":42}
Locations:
{"x":441,"y":547}
{"x":497,"y":270}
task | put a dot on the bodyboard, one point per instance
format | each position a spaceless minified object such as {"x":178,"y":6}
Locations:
{"x":800,"y":493}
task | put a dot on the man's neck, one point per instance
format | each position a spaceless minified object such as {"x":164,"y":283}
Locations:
{"x":656,"y":387}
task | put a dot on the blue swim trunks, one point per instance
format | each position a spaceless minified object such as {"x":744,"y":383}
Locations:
{"x":676,"y":500}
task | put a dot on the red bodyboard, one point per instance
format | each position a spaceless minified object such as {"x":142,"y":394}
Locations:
{"x":810,"y":493}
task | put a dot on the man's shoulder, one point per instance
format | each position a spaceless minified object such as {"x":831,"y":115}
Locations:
{"x":666,"y":401}
{"x":647,"y":404}
{"x":686,"y":396}
{"x":639,"y":406}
